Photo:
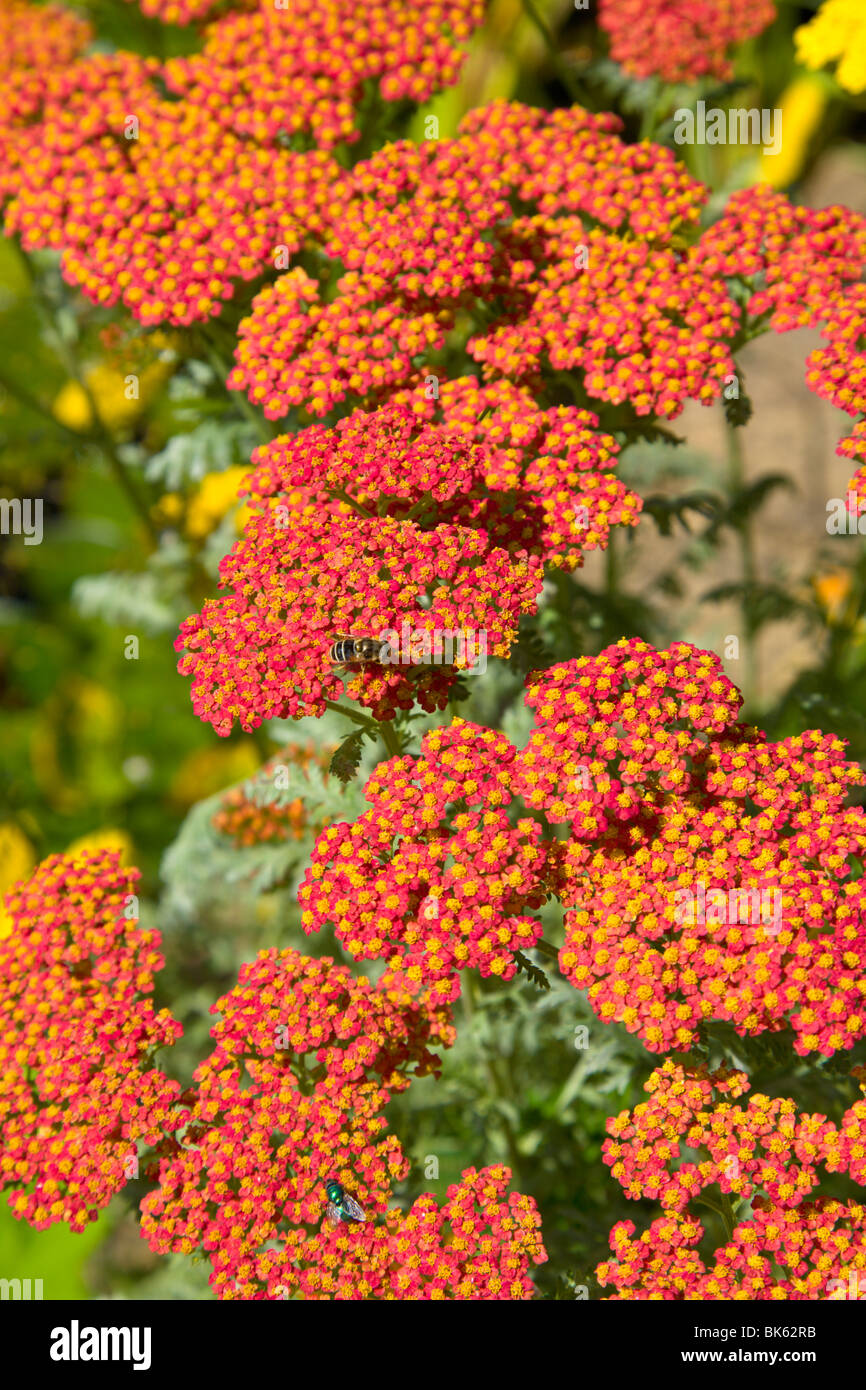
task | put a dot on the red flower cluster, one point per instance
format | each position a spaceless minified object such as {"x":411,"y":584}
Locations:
{"x":814,"y":1251}
{"x":323,"y":1052}
{"x":186,"y":11}
{"x":681,"y":40}
{"x":322,"y":52}
{"x":802,"y":266}
{"x":708,"y":875}
{"x":77,"y":1033}
{"x":308,"y":570}
{"x":454,"y":891}
{"x":837,"y":372}
{"x":253,"y":822}
{"x":429,"y":233}
{"x":764,"y":1153}
{"x":392,"y":524}
{"x":166,"y":201}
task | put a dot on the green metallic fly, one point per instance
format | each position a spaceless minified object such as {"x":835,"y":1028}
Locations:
{"x":341,"y":1205}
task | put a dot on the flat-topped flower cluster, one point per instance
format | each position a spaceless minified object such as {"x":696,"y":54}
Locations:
{"x":764,"y":1155}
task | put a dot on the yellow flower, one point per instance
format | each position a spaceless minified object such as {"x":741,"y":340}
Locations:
{"x":832,"y":591}
{"x":119,"y":397}
{"x":16,"y":861}
{"x":838,"y":32}
{"x":107,"y":838}
{"x":208,"y":770}
{"x":802,"y":105}
{"x":217,"y":494}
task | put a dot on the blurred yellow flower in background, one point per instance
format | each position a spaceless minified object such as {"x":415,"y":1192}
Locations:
{"x":832,"y":590}
{"x":108,"y":838}
{"x":17,"y":858}
{"x":802,"y":105}
{"x":838,"y":31}
{"x":216,"y":495}
{"x":209,"y":770}
{"x":108,"y":389}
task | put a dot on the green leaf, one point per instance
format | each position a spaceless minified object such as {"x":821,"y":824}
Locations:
{"x":533,"y":972}
{"x":344,"y":764}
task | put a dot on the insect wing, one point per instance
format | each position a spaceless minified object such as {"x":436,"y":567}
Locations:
{"x":352,"y":1209}
{"x":333,"y":1214}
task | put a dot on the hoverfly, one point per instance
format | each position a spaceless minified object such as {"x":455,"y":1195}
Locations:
{"x":341,"y":1205}
{"x":366,"y":650}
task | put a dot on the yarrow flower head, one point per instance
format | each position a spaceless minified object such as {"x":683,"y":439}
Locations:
{"x":709,"y":873}
{"x":322,"y":1053}
{"x":803,"y":267}
{"x":401,"y":529}
{"x":77,"y":1035}
{"x":454,"y":890}
{"x":635,"y":317}
{"x":165,"y":184}
{"x":681,"y":40}
{"x":764,"y":1155}
{"x":247,"y":819}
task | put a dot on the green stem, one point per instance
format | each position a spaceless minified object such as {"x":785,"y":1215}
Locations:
{"x":495,"y":1081}
{"x":383,"y":729}
{"x":562,"y":72}
{"x":343,"y":496}
{"x":545,"y":949}
{"x":361,"y":719}
{"x":748,"y":567}
{"x":30,"y":401}
{"x":651,"y":111}
{"x":221,"y":370}
{"x":390,"y":738}
{"x":99,"y":435}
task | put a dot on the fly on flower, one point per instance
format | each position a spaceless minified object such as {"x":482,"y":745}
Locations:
{"x":341,"y":1205}
{"x":356,"y":649}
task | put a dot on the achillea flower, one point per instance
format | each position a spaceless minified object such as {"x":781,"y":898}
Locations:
{"x":643,"y":325}
{"x":309,"y":569}
{"x":393,"y":524}
{"x":805,"y":257}
{"x":709,"y":874}
{"x":77,"y":1033}
{"x":318,"y":51}
{"x":681,"y":40}
{"x":323,"y":1052}
{"x":544,"y":274}
{"x":305,"y":1059}
{"x":765,"y":1153}
{"x":528,"y":479}
{"x":837,"y":33}
{"x":837,"y":372}
{"x":452,"y":893}
{"x":166,"y":203}
{"x":551,"y":467}
{"x":814,"y":1251}
{"x":36,"y":38}
{"x":186,"y":11}
{"x":164,"y":215}
{"x":254,"y":822}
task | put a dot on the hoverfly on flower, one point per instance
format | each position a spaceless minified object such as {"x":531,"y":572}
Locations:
{"x":364,"y":650}
{"x":341,"y":1205}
